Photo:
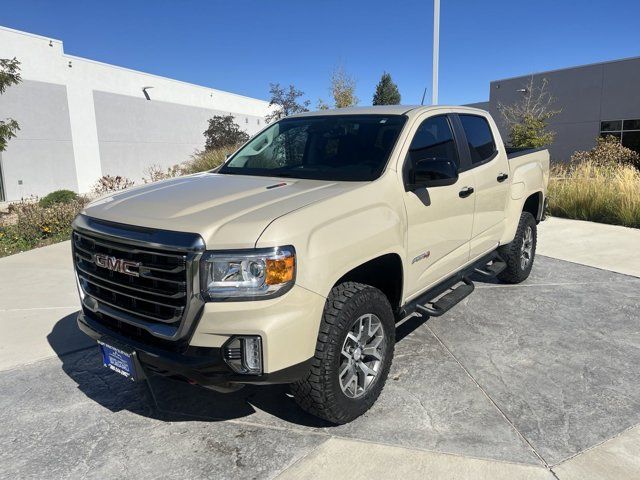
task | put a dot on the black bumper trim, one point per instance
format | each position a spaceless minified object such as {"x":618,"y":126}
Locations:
{"x":206,"y":368}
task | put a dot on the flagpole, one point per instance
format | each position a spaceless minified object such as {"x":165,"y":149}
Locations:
{"x":436,"y":48}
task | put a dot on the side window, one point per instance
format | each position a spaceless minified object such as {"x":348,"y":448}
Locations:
{"x":479,"y":137}
{"x":434,"y":140}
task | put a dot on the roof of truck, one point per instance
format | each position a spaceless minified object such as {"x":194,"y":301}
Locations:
{"x":384,"y":110}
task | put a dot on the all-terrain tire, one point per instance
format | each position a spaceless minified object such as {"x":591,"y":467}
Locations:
{"x":320,"y":392}
{"x":517,"y":270}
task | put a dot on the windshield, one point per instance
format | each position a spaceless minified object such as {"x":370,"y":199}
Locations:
{"x":332,"y":147}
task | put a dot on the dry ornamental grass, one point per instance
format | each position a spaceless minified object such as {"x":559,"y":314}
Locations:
{"x":601,"y":185}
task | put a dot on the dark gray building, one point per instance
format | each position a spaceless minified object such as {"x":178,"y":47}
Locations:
{"x":602,"y":98}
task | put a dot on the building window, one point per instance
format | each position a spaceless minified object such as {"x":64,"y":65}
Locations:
{"x":627,"y":131}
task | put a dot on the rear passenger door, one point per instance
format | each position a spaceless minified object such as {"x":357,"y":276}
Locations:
{"x":490,"y":170}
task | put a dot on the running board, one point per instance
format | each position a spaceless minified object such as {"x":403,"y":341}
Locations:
{"x":487,"y":266}
{"x":492,"y":268}
{"x":447,"y":301}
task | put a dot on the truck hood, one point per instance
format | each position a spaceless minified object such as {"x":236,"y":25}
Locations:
{"x":228,"y":211}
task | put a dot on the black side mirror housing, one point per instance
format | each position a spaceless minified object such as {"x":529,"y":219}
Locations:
{"x":432,"y":172}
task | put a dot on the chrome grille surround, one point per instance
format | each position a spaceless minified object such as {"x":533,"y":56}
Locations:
{"x":164,"y":297}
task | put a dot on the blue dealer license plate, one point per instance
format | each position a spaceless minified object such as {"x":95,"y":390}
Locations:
{"x":118,"y":360}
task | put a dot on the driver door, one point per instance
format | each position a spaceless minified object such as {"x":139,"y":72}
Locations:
{"x":439,"y":219}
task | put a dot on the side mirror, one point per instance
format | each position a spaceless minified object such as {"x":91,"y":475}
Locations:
{"x":432,"y":172}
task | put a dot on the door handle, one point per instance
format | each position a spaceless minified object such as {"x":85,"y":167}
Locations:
{"x":465,"y":192}
{"x":502,"y":177}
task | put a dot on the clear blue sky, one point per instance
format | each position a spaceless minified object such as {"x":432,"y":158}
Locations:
{"x":243,"y":45}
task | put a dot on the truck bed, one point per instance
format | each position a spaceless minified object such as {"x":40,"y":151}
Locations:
{"x":513,"y":152}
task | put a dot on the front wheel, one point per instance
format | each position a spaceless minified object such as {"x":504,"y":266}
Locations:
{"x":520,"y":253}
{"x":353,"y":354}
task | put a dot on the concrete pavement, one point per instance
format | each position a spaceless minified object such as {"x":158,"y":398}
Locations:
{"x":525,"y":381}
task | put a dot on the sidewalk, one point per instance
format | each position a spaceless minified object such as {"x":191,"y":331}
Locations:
{"x":37,"y":288}
{"x":609,"y":247}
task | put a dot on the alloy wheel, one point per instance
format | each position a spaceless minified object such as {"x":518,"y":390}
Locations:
{"x":526,"y":251}
{"x":362,"y":355}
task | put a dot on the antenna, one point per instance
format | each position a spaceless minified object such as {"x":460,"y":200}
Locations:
{"x":423,"y":95}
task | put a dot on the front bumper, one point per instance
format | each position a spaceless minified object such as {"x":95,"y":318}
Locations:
{"x":197,"y":365}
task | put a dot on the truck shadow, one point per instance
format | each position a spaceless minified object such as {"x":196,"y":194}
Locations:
{"x":171,"y":400}
{"x":163,"y":398}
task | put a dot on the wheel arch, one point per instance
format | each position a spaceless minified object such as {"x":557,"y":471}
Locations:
{"x":534,"y":204}
{"x":385,"y":272}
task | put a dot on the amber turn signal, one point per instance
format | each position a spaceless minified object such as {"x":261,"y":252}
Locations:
{"x":280,"y":270}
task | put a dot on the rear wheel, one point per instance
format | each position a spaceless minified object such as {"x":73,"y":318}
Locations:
{"x":520,"y":253}
{"x":353,"y":354}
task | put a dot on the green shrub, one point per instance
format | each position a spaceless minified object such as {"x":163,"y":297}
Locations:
{"x":59,"y":196}
{"x":608,"y":152}
{"x":223,"y":131}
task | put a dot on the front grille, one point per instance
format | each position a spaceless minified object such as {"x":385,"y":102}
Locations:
{"x":157,"y":297}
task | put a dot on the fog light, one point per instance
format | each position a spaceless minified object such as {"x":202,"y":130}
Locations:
{"x":244,"y":354}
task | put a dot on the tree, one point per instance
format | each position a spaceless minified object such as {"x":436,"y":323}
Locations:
{"x":285,"y":102}
{"x":343,"y":87}
{"x":386,"y":91}
{"x":223,"y":132}
{"x":527,"y":120}
{"x":9,"y":75}
{"x":322,"y":105}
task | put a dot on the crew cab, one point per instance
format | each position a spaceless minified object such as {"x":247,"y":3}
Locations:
{"x":294,"y":261}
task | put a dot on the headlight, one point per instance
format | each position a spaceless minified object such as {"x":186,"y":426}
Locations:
{"x":248,"y":274}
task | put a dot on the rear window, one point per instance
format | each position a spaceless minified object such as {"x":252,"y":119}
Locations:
{"x":479,"y":137}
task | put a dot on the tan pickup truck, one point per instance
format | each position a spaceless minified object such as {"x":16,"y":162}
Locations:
{"x":294,"y":262}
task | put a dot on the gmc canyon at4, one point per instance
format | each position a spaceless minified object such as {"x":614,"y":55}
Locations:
{"x":293,"y":262}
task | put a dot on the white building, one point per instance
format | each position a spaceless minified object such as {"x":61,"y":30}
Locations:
{"x":82,"y":119}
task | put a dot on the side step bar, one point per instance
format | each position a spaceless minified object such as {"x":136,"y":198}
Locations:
{"x":448,"y":300}
{"x":492,"y":268}
{"x":444,"y":296}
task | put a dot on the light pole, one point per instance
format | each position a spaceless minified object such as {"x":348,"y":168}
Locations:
{"x":436,"y":48}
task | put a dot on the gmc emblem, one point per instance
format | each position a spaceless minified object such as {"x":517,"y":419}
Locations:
{"x":116,"y":264}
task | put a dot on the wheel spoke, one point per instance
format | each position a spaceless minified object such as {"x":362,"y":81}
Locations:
{"x":352,"y":382}
{"x":371,"y":349}
{"x":373,"y":329}
{"x":372,"y":352}
{"x":365,"y":327}
{"x":351,"y":336}
{"x":364,"y":368}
